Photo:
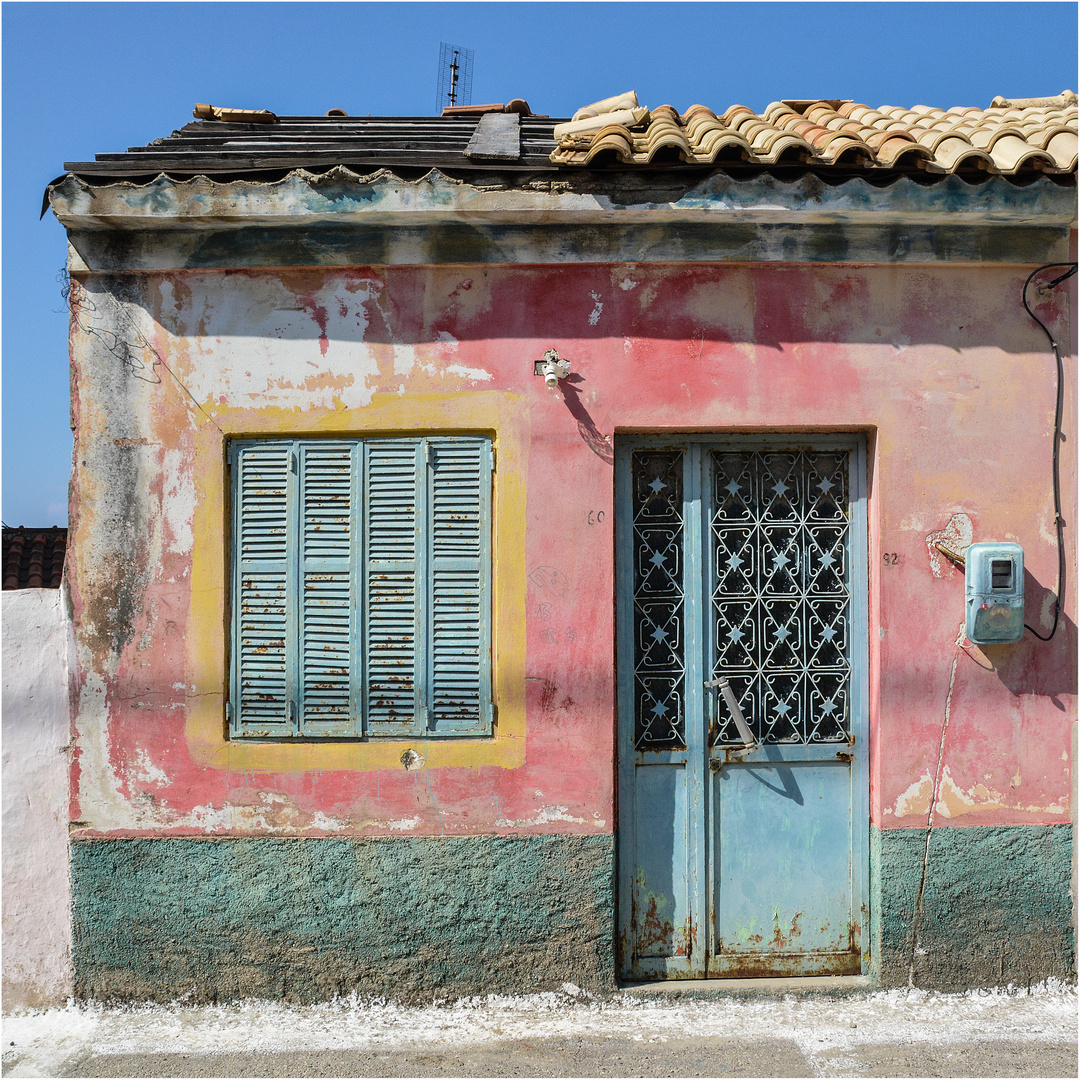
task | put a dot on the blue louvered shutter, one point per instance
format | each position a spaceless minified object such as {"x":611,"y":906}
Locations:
{"x":362,"y":588}
{"x":262,"y":581}
{"x":458,"y":605}
{"x":327,"y":702}
{"x":391,"y":611}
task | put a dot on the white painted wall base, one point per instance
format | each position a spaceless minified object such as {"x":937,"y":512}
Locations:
{"x":36,"y":731}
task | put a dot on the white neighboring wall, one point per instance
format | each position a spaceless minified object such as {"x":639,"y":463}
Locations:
{"x":37,"y":968}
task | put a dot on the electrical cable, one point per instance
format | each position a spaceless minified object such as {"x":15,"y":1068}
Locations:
{"x":1059,"y":406}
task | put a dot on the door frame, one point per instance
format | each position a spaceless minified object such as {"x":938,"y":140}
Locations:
{"x":699,"y":838}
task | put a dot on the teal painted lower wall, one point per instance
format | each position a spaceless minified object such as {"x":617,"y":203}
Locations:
{"x":996,"y":907}
{"x":307,"y":919}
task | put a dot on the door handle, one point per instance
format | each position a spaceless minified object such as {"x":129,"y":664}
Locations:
{"x":745,"y":733}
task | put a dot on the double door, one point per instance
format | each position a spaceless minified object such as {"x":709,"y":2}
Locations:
{"x":744,"y":560}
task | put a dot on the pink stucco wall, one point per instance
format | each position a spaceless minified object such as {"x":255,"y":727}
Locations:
{"x":939,"y":366}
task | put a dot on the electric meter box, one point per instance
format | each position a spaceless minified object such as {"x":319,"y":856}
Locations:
{"x":994,"y":591}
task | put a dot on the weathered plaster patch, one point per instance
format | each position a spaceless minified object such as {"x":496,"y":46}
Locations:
{"x":403,"y":824}
{"x":319,"y":820}
{"x":475,"y":374}
{"x":261,"y":344}
{"x":277,"y":814}
{"x":728,"y":304}
{"x":915,"y":799}
{"x":100,"y":801}
{"x":1058,"y":807}
{"x":408,"y":360}
{"x":598,"y":307}
{"x":178,"y":501}
{"x":144,"y":771}
{"x":953,"y":802}
{"x":956,"y":536}
{"x":545,"y":815}
{"x":648,"y":294}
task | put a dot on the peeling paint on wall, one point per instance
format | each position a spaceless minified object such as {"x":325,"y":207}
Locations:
{"x":709,"y":347}
{"x":956,"y":536}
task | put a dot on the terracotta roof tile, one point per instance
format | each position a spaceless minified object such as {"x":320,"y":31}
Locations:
{"x":1007,"y":138}
{"x":33,"y":558}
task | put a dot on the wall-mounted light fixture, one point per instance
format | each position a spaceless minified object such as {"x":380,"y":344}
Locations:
{"x":552,"y":367}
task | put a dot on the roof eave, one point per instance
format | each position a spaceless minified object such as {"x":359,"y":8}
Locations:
{"x":381,"y":198}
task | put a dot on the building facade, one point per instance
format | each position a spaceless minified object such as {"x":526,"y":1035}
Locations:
{"x":505,"y":554}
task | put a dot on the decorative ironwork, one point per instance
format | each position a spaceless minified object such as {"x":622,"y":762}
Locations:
{"x":781,"y":598}
{"x":659,"y":669}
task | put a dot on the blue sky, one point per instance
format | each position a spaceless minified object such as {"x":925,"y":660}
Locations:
{"x":83,"y":78}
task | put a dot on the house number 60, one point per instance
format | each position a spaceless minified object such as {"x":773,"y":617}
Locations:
{"x":596,"y":516}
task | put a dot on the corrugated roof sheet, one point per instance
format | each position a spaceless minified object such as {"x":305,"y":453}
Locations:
{"x":1014,"y":139}
{"x":1005,"y":139}
{"x":33,"y":558}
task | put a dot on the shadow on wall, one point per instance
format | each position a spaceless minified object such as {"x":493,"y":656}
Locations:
{"x":1030,"y":666}
{"x":770,"y":306}
{"x":599,"y":444}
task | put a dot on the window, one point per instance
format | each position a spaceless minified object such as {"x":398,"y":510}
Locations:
{"x":361,"y":588}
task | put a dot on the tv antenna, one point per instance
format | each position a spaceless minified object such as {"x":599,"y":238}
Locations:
{"x":455,"y":76}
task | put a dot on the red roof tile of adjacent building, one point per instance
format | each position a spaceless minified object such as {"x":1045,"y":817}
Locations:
{"x":33,"y":558}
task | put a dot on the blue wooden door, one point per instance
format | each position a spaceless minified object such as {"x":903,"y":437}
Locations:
{"x":743,"y":560}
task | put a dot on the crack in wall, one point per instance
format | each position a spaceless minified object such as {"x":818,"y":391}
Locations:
{"x":916,"y":921}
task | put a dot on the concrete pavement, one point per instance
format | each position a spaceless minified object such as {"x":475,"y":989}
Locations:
{"x":831,"y":1031}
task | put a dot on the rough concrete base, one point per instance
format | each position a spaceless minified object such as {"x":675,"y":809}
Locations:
{"x":995,"y":908}
{"x":412,"y":919}
{"x":308,"y":919}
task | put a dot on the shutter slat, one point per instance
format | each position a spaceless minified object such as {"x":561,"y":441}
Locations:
{"x":261,"y":645}
{"x":460,"y":483}
{"x":390,"y":595}
{"x":327,"y":501}
{"x":263,"y":481}
{"x":262,"y":651}
{"x":326,"y":664}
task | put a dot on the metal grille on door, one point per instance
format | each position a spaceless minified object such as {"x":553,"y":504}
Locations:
{"x":779,"y":533}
